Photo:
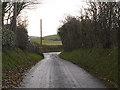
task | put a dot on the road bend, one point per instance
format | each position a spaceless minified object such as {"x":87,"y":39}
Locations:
{"x":54,"y":72}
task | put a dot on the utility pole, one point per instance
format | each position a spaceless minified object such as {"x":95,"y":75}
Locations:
{"x":41,"y":32}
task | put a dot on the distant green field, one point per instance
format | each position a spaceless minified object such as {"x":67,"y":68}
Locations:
{"x":52,"y":37}
{"x":46,"y":40}
{"x":49,"y":42}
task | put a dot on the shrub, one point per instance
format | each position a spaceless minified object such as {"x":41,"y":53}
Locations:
{"x":22,"y":37}
{"x":33,"y":48}
{"x":8,"y":38}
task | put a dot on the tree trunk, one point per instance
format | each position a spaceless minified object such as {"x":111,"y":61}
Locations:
{"x":13,"y":22}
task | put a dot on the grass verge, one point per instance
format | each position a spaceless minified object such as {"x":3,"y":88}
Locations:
{"x":14,"y":64}
{"x":102,"y":63}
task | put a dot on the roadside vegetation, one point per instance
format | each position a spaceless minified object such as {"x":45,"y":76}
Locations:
{"x":15,"y":62}
{"x":102,"y":63}
{"x":91,"y":40}
{"x":18,"y":53}
{"x":16,"y":57}
{"x":52,"y":48}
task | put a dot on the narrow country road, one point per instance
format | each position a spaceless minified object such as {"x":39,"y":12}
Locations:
{"x":54,"y":72}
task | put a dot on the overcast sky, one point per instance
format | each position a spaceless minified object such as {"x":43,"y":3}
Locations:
{"x":51,"y":12}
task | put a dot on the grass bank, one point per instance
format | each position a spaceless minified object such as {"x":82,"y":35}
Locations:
{"x":14,"y":64}
{"x":102,"y":63}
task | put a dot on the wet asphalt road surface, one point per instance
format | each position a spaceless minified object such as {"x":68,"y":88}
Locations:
{"x":54,"y":72}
